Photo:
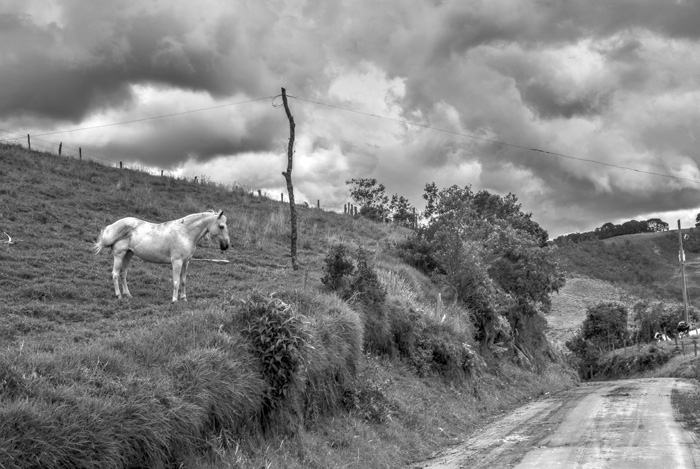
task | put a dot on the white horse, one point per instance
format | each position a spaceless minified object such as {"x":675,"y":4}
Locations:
{"x":171,"y":242}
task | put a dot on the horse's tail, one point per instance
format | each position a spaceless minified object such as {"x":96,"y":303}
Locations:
{"x":111,"y":234}
{"x":97,"y":247}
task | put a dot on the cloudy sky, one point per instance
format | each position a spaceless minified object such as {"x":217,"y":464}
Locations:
{"x":616,"y":82}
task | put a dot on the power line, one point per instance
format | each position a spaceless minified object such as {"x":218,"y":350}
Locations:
{"x":476,"y":137}
{"x":153,"y":117}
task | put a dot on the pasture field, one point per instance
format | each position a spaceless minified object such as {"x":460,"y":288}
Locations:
{"x":87,"y":380}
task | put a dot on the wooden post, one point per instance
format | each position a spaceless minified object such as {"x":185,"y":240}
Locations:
{"x":318,"y":203}
{"x":80,"y":155}
{"x":282,"y":197}
{"x":288,"y":177}
{"x":29,"y":142}
{"x":695,"y":346}
{"x":345,"y":209}
{"x":120,"y":165}
{"x":60,"y":146}
{"x":259,"y":193}
{"x":355,"y":207}
{"x":682,"y":347}
{"x":681,"y":258}
{"x":161,"y":173}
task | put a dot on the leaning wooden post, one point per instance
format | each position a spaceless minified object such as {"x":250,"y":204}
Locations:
{"x":288,"y":177}
{"x":60,"y":146}
{"x":80,"y":156}
{"x":29,"y":142}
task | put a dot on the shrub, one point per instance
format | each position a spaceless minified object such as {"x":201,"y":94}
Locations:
{"x":279,"y":338}
{"x":606,"y":325}
{"x":366,"y":285}
{"x":336,"y":267}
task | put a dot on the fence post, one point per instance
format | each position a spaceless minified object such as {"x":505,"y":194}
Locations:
{"x":161,"y":173}
{"x":60,"y":146}
{"x":318,"y":203}
{"x":120,"y":165}
{"x":282,"y":197}
{"x":29,"y":142}
{"x":695,"y":346}
{"x":80,"y":156}
{"x":259,"y":193}
{"x":355,"y":207}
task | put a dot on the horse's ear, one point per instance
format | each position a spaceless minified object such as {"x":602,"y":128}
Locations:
{"x":220,"y":214}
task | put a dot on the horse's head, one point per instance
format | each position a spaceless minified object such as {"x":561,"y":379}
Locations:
{"x":219,"y":230}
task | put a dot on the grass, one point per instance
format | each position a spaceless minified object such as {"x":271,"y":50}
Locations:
{"x":88,"y":380}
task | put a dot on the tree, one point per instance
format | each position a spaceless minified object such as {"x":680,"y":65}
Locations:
{"x":657,"y":224}
{"x":370,"y":196}
{"x":606,"y":325}
{"x":401,"y":210}
{"x":491,"y":252}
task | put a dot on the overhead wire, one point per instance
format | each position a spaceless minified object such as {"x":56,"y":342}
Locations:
{"x":499,"y":142}
{"x":90,"y":154}
{"x":378,"y":116}
{"x":154,"y":117}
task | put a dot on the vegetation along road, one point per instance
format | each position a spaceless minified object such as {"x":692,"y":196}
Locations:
{"x":618,"y":424}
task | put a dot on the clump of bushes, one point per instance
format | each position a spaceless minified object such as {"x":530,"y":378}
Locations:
{"x":394,"y":323}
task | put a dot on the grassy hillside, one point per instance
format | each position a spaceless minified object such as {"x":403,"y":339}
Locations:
{"x":86,"y":379}
{"x":624,"y":269}
{"x":645,"y":264}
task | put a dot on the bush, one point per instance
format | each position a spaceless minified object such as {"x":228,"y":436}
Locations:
{"x":366,"y":285}
{"x":336,"y":267}
{"x":606,"y":325}
{"x":279,"y":339}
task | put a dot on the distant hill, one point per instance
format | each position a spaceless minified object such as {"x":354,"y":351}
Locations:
{"x":645,"y":263}
{"x":624,"y":269}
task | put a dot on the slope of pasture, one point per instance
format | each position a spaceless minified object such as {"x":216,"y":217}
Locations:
{"x":137,"y":382}
{"x":646,"y":264}
{"x":664,"y":245}
{"x":570,"y":304}
{"x":53,"y":288}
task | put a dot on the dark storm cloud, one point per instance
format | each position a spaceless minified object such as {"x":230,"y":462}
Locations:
{"x":177,"y":141}
{"x":100,"y":49}
{"x":609,"y":81}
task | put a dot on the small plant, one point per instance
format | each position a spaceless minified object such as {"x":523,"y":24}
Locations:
{"x":278,"y":336}
{"x":337,"y":267}
{"x":366,"y":283}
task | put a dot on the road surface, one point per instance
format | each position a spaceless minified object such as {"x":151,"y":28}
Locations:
{"x":616,"y":424}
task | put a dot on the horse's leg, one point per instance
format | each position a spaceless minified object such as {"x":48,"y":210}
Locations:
{"x":183,"y":281}
{"x":177,"y":269}
{"x":116,"y":271}
{"x":125,"y":269}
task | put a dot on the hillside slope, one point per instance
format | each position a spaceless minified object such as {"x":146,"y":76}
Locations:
{"x":570,"y":304}
{"x":87,"y":379}
{"x":624,"y":269}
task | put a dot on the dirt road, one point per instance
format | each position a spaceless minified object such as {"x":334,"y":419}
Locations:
{"x":620,"y":424}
